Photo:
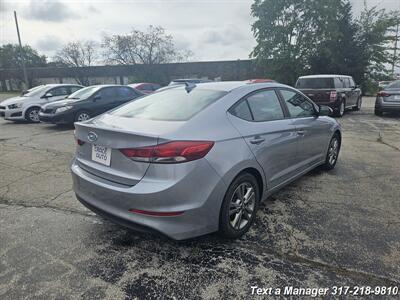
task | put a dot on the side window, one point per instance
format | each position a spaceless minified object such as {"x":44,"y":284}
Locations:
{"x":265,"y":106}
{"x":156,"y":87}
{"x":297,"y":104}
{"x":108,"y":94}
{"x":60,"y":91}
{"x":352,"y":84}
{"x":73,"y":89}
{"x":339,"y":82}
{"x":125,"y":93}
{"x":346,"y":82}
{"x":242,"y":111}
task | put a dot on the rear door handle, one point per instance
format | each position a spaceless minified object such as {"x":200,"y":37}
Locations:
{"x":257,"y":140}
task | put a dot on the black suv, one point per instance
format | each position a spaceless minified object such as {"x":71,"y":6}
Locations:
{"x":87,"y":103}
{"x":337,"y":91}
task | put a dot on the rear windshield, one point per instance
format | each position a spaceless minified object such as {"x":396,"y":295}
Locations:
{"x":169,"y":105}
{"x":393,"y":85}
{"x":315,"y":83}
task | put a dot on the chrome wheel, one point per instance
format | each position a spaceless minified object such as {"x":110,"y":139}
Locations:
{"x":333,"y":151}
{"x":34,"y":115}
{"x":242,"y":206}
{"x":83,"y":117}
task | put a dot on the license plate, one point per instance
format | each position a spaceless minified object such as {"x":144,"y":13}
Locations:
{"x":101,"y":154}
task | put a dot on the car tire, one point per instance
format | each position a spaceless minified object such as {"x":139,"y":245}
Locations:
{"x":82,"y":115}
{"x":358,"y":105}
{"x":341,"y":109}
{"x":32,"y":115}
{"x":238,"y":211}
{"x":332,"y":154}
{"x":378,"y":112}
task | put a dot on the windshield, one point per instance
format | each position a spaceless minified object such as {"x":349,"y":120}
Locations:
{"x":84,"y":93}
{"x":393,"y":85}
{"x":315,"y":83}
{"x":35,"y":91}
{"x":170,"y":105}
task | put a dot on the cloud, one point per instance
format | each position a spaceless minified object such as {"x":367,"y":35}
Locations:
{"x":49,"y":43}
{"x":51,"y":11}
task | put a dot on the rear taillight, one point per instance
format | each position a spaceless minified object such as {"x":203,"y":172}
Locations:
{"x":171,"y":152}
{"x":333,"y":96}
{"x":79,"y":142}
{"x":383,"y":94}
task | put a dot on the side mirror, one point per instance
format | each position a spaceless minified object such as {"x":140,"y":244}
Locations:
{"x":325,"y":111}
{"x":47,"y":95}
{"x":96,"y":97}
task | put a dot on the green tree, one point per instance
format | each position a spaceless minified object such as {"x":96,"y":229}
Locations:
{"x":10,"y":57}
{"x":375,"y":38}
{"x":339,"y":52}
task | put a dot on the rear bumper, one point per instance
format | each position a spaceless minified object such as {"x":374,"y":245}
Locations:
{"x":56,"y":118}
{"x":386,"y":106}
{"x":198,"y":194}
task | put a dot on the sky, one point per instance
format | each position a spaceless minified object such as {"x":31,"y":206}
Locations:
{"x":211,"y":29}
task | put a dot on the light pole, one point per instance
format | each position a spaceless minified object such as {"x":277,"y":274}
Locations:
{"x":21,"y":52}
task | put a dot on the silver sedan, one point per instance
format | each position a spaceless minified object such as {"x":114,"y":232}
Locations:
{"x":196,"y":159}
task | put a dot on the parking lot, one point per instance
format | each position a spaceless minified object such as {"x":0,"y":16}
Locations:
{"x":324,"y":230}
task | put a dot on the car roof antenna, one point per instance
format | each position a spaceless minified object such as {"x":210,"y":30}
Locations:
{"x":189,"y":86}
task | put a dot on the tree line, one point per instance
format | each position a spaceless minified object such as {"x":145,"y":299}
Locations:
{"x":300,"y":37}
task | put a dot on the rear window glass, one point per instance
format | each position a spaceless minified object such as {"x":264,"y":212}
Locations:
{"x":169,"y":105}
{"x":315,"y":83}
{"x":394,"y":85}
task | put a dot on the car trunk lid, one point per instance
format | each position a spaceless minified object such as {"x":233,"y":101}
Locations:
{"x":115,"y":133}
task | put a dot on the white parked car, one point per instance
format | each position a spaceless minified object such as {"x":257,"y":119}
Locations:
{"x":27,"y":107}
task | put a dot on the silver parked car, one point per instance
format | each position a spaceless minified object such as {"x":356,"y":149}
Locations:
{"x":388,"y":100}
{"x":192,"y":160}
{"x":27,"y":106}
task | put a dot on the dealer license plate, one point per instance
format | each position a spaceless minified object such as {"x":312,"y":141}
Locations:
{"x":101,"y":154}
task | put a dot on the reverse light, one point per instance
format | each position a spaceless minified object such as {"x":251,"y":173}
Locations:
{"x":333,"y":96}
{"x":156,"y":213}
{"x":171,"y":152}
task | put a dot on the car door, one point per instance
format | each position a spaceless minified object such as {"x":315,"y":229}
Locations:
{"x":354,"y":92}
{"x":349,"y":92}
{"x":272,"y":138}
{"x":312,"y":131}
{"x":109,"y":99}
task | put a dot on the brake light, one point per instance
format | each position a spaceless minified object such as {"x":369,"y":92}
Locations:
{"x":171,"y":152}
{"x":333,"y":96}
{"x":79,"y":142}
{"x":383,"y":94}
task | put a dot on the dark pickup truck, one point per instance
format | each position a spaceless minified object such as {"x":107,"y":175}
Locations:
{"x":337,"y":91}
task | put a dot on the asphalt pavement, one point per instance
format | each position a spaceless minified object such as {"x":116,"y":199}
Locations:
{"x":338,"y":228}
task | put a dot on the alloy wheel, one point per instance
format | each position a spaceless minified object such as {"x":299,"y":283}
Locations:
{"x":333,"y":151}
{"x":242,"y":204}
{"x":83,"y":117}
{"x":34,"y":115}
